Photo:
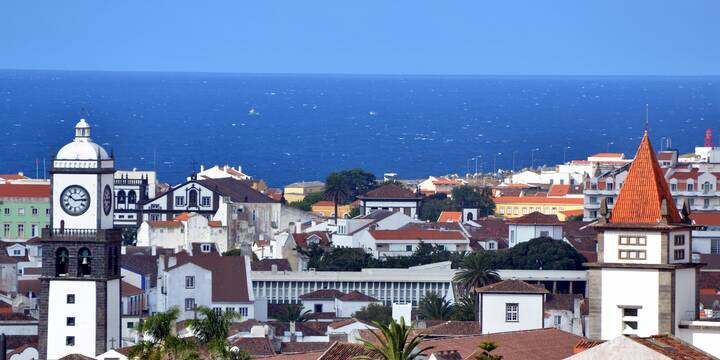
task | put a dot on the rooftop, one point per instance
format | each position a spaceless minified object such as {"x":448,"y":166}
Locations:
{"x":390,"y":191}
{"x":416,"y":235}
{"x":513,"y":287}
{"x":27,"y":191}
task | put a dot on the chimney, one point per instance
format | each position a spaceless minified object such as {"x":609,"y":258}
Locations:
{"x":273,"y":268}
{"x":172,"y":261}
{"x":202,"y":167}
{"x":123,"y":250}
{"x":153,"y":250}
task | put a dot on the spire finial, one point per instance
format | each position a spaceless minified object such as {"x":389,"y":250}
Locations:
{"x":647,"y":116}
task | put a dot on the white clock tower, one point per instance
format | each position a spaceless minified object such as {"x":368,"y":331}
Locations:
{"x":80,"y":296}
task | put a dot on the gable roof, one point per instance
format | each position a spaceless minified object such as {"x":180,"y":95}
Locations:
{"x":536,"y":218}
{"x":345,"y":351}
{"x":513,"y":287}
{"x":640,"y":199}
{"x":390,"y":191}
{"x":322,"y":294}
{"x":229,"y":278}
{"x":558,"y":190}
{"x":345,"y":322}
{"x":266,"y":265}
{"x":452,"y":327}
{"x":303,"y":346}
{"x":237,"y":190}
{"x":357,"y":296}
{"x":301,"y":239}
{"x":706,"y":218}
{"x":255,"y":346}
{"x":127,"y":289}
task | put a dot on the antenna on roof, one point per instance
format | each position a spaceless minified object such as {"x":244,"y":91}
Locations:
{"x":647,"y":116}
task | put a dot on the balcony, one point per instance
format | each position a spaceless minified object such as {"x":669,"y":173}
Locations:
{"x":81,"y":234}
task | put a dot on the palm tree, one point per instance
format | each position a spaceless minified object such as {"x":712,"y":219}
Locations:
{"x":159,"y":340}
{"x":211,"y":329}
{"x":434,"y":307}
{"x":466,"y":308}
{"x":294,"y":313}
{"x":475,"y":272}
{"x":394,"y":342}
{"x":337,"y":189}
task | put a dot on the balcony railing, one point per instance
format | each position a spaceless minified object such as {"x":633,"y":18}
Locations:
{"x":84,"y":234}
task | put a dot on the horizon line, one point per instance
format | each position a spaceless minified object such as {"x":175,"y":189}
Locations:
{"x":211,"y":72}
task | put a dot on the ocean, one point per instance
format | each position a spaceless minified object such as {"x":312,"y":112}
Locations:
{"x":286,"y":128}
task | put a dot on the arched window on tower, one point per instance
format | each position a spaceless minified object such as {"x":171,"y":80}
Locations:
{"x":193,"y":198}
{"x":62,"y":260}
{"x":84,"y":262}
{"x":121,"y":197}
{"x":132,"y":197}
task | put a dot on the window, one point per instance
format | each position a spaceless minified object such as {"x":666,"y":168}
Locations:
{"x":47,"y":212}
{"x":544,"y":234}
{"x":205,"y":248}
{"x":34,"y":230}
{"x":673,"y":187}
{"x":511,"y":312}
{"x":69,"y":341}
{"x":524,"y":211}
{"x":179,"y":201}
{"x":679,"y":240}
{"x":408,"y":247}
{"x":121,"y":197}
{"x":189,"y":304}
{"x":515,"y":211}
{"x":632,"y":254}
{"x":441,"y":247}
{"x":6,"y":211}
{"x":70,"y":321}
{"x":6,"y":230}
{"x":715,"y":246}
{"x":21,"y":211}
{"x":512,"y":236}
{"x":130,"y":324}
{"x":593,"y":200}
{"x":35,"y":211}
{"x":706,"y":203}
{"x":189,"y":282}
{"x":609,"y":186}
{"x":680,"y":254}
{"x":610,"y":200}
{"x":632,"y":240}
{"x":193,"y":198}
{"x":205,"y":201}
{"x":217,"y":310}
{"x":593,"y":214}
{"x":317,"y":308}
{"x":132,"y":197}
{"x":154,"y":217}
{"x":17,"y":252}
{"x":557,"y":320}
{"x":21,"y":230}
{"x":243,"y":311}
{"x":502,"y":211}
{"x":491,"y":245}
{"x":629,"y":320}
{"x":706,"y":187}
{"x":229,"y":310}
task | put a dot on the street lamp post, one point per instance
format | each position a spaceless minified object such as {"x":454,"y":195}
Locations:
{"x":564,"y":150}
{"x":532,"y":157}
{"x":495,"y":162}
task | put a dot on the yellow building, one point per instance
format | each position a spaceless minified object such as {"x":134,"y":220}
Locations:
{"x":516,"y":206}
{"x":327,"y":209}
{"x":297,"y":191}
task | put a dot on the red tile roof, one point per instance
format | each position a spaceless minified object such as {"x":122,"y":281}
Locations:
{"x":30,"y":191}
{"x":572,"y":212}
{"x":303,"y":346}
{"x":644,"y":190}
{"x":536,"y":218}
{"x":665,"y":155}
{"x":672,"y":347}
{"x":608,"y":155}
{"x":706,"y":218}
{"x":301,"y":239}
{"x":325,"y":203}
{"x":345,"y":351}
{"x":215,"y":223}
{"x":76,"y":357}
{"x":323,"y":294}
{"x":26,"y":286}
{"x":416,"y":235}
{"x":229,"y":278}
{"x":255,"y":346}
{"x":537,"y":200}
{"x":450,"y":328}
{"x":127,"y":289}
{"x":446,"y":181}
{"x":266,"y":265}
{"x":183,"y":216}
{"x":558,"y":190}
{"x":312,"y":355}
{"x":357,"y":296}
{"x":390,"y":191}
{"x":450,"y":216}
{"x":345,"y":322}
{"x":13,"y":177}
{"x":514,"y":287}
{"x":164,"y":224}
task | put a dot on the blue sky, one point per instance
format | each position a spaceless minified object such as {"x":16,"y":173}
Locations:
{"x":504,"y":37}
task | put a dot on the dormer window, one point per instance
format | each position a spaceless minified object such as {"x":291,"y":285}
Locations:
{"x":313,"y":240}
{"x":205,"y":248}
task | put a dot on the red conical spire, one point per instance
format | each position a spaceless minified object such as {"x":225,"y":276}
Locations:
{"x":641,"y":197}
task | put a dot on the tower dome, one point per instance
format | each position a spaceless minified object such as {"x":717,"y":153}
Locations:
{"x":82,"y":148}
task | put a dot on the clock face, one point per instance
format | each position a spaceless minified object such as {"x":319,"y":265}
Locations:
{"x":75,"y":200}
{"x":107,"y":200}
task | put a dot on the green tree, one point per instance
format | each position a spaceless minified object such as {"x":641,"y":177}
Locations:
{"x":480,"y":198}
{"x":211,"y":330}
{"x":337,"y":189}
{"x":302,"y":205}
{"x":356,"y":180}
{"x":343,"y":259}
{"x":375,"y":313}
{"x":394,"y":343}
{"x":435,"y":307}
{"x":354,"y":211}
{"x":466,"y":308}
{"x":487,"y":347}
{"x":312,"y":198}
{"x":544,"y":253}
{"x":294,"y":312}
{"x":475,"y":271}
{"x":433,"y":205}
{"x":158,"y":339}
{"x":233,"y":252}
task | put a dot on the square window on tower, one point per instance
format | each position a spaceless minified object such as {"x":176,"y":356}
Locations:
{"x":71,"y":298}
{"x":69,"y":341}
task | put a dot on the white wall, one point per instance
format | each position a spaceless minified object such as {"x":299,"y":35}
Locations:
{"x":346,"y":309}
{"x":705,"y":339}
{"x":530,"y":312}
{"x":685,"y":283}
{"x":525,"y":233}
{"x":327,"y":305}
{"x":628,"y":287}
{"x":652,"y":247}
{"x":113,"y":314}
{"x":85,"y":318}
{"x":177,"y":293}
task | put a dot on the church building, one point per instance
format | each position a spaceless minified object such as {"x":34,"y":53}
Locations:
{"x":80,"y":283}
{"x":644,"y":282}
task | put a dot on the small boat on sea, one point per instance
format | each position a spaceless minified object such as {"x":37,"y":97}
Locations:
{"x":253,"y":112}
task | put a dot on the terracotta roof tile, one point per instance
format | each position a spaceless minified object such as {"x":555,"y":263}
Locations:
{"x":513,"y":286}
{"x":323,"y":294}
{"x":644,"y":190}
{"x":303,"y":346}
{"x":312,"y":355}
{"x":255,"y":346}
{"x":417,"y":235}
{"x":608,"y":155}
{"x":538,"y":200}
{"x":301,"y":239}
{"x":450,"y":216}
{"x":357,"y":296}
{"x":26,"y":286}
{"x":30,"y":191}
{"x":345,"y":351}
{"x":450,"y":328}
{"x":390,"y":191}
{"x":706,"y":218}
{"x":672,"y":347}
{"x":536,"y":218}
{"x":164,"y":224}
{"x":237,"y":190}
{"x":345,"y":322}
{"x":76,"y":357}
{"x":229,"y":278}
{"x":127,"y":289}
{"x":13,"y":177}
{"x":266,"y":265}
{"x":558,"y":190}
